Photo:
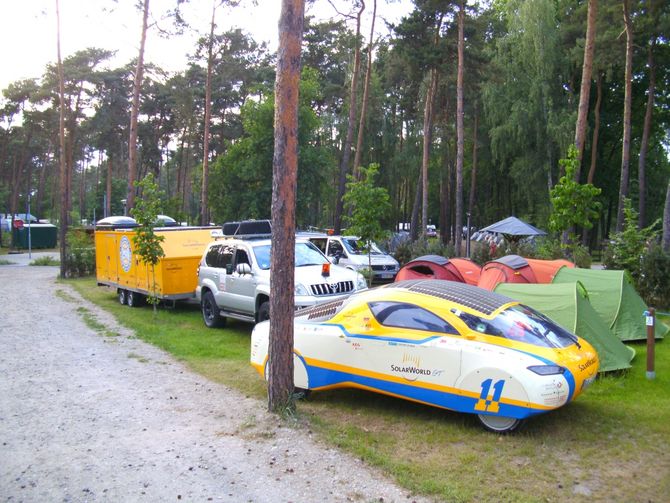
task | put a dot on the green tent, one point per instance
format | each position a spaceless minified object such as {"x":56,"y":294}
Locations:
{"x":613,"y":297}
{"x":568,"y":305}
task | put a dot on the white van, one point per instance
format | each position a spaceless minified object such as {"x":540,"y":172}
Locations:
{"x":350,"y":251}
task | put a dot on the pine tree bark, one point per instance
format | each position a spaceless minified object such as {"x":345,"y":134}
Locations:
{"x":135,"y":110}
{"x":458,"y":224}
{"x":284,"y":181}
{"x":364,"y":101}
{"x":596,"y":128}
{"x":204,"y":205}
{"x":346,"y":148}
{"x":64,"y":178}
{"x":585,"y":90}
{"x":625,"y":149}
{"x":666,"y":221}
{"x":644,"y":144}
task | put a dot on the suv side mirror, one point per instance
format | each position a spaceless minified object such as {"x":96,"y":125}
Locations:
{"x":243,"y":269}
{"x":335,"y":259}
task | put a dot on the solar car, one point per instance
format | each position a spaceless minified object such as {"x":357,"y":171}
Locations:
{"x":441,"y":343}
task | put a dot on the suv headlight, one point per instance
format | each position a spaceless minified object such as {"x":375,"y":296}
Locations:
{"x":361,"y":282}
{"x":300,"y":289}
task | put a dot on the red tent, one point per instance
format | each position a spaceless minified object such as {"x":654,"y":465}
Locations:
{"x":507,"y":269}
{"x":436,"y":267}
{"x":545,"y":270}
{"x":469,"y":270}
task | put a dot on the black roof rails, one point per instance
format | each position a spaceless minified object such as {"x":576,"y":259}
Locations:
{"x":248,"y":229}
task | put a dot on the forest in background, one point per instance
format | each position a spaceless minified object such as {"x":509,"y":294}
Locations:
{"x":395,"y":101}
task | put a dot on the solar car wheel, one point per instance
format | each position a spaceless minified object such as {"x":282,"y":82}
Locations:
{"x":499,"y":424}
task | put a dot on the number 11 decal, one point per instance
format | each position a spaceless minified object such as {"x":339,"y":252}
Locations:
{"x":486,"y":403}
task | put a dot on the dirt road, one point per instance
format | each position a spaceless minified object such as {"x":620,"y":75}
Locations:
{"x":85,"y":417}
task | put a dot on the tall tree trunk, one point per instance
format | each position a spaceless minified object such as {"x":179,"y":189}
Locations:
{"x":628,"y":97}
{"x":346,"y":148}
{"x":64,"y":178}
{"x":427,"y":141}
{"x":458,"y":224}
{"x":284,"y":180}
{"x":596,"y":128}
{"x":666,"y":220}
{"x":644,"y":145}
{"x":134,"y":112}
{"x":414,"y":219}
{"x":427,"y":134}
{"x":585,"y":91}
{"x":204,"y":205}
{"x":473,"y":175}
{"x":364,"y":101}
{"x":108,"y":188}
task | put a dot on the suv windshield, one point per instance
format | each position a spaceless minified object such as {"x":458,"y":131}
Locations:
{"x":358,"y":247}
{"x":305,"y":254}
{"x":523,"y":324}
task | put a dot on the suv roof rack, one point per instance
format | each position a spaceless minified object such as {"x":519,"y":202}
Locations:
{"x":247,"y":229}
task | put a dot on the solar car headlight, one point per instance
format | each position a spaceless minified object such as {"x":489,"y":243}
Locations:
{"x":361,"y":283}
{"x":547,"y":370}
{"x":300,"y":289}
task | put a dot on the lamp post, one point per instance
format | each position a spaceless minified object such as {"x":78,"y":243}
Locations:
{"x":467,"y":236}
{"x":125,"y":209}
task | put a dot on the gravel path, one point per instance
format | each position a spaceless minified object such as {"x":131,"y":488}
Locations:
{"x":85,"y":417}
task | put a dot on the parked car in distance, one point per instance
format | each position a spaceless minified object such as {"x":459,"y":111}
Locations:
{"x":431,"y":231}
{"x":234,"y":279}
{"x":350,"y":252}
{"x":440,"y":343}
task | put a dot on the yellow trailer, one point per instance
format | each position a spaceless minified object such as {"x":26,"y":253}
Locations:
{"x":176,"y":274}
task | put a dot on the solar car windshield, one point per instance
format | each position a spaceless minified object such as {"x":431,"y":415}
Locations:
{"x":523,"y":324}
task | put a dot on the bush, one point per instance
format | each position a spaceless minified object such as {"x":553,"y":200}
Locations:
{"x":408,"y":250}
{"x":80,"y":253}
{"x":653,"y":279}
{"x":550,"y":249}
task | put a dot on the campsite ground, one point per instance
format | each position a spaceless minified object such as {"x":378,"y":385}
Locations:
{"x":612,"y":444}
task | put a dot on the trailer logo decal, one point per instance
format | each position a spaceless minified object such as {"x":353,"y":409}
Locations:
{"x":125,"y":254}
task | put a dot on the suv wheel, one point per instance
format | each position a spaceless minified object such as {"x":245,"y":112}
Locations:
{"x":263,"y":312}
{"x":210,"y":311}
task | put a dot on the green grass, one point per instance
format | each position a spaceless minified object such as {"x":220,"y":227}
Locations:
{"x":45,"y":261}
{"x":611,"y":444}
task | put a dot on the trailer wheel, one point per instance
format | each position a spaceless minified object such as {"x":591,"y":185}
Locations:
{"x":134,"y":299}
{"x":123,"y":296}
{"x":210,"y":311}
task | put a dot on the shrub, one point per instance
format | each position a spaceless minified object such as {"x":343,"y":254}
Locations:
{"x":408,"y":250}
{"x":81,"y":253}
{"x":628,"y":247}
{"x":549,"y":249}
{"x":653,"y":279}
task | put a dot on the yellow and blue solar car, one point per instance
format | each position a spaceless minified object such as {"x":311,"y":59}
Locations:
{"x":440,"y":343}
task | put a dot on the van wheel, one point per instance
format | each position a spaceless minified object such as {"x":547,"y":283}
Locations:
{"x":123,"y":296}
{"x":134,"y":299}
{"x":263,"y":312}
{"x":210,"y":311}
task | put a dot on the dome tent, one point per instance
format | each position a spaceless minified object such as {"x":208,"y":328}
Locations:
{"x":613,"y":297}
{"x":545,"y":270}
{"x":507,"y":269}
{"x":568,"y":305}
{"x":462,"y":270}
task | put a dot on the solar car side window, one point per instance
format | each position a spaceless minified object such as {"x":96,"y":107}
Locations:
{"x":404,"y":315}
{"x":212,"y":257}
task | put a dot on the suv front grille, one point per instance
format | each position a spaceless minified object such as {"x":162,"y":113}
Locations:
{"x":383,"y":268}
{"x":332,"y":289}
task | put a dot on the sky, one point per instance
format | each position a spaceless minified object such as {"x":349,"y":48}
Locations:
{"x":28,"y":29}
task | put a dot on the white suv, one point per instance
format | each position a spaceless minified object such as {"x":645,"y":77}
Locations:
{"x":349,"y":251}
{"x":234,"y":279}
